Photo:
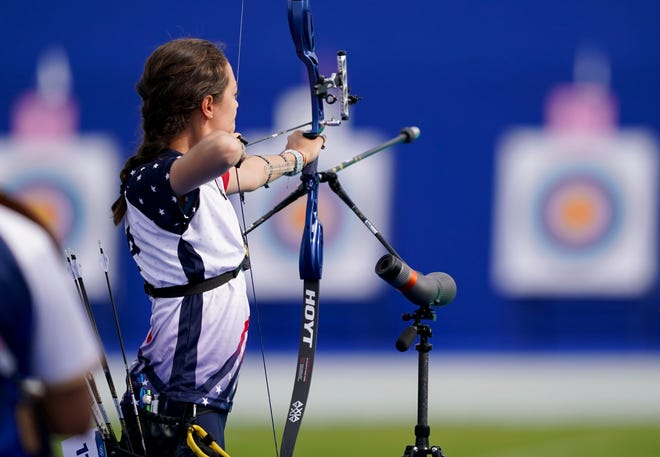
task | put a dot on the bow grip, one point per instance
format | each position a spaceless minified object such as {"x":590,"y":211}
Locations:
{"x":310,"y":265}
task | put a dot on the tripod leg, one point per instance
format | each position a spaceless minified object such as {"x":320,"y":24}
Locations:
{"x":436,"y":451}
{"x":414,"y":451}
{"x":411,"y":451}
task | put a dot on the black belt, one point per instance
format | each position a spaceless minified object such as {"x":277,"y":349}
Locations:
{"x":197,"y":287}
{"x":181,"y":409}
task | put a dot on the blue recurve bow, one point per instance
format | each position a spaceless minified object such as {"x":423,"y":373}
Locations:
{"x":311,"y":247}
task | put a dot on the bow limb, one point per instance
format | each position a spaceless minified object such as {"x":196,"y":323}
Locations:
{"x":301,"y":27}
{"x":311,"y":247}
{"x":310,"y":266}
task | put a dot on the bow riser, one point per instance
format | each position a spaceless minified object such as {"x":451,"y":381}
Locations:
{"x":310,"y":264}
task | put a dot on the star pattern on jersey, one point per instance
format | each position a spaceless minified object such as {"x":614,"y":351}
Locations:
{"x":157,"y":201}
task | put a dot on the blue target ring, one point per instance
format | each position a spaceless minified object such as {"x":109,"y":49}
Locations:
{"x":578,"y":211}
{"x":54,"y":199}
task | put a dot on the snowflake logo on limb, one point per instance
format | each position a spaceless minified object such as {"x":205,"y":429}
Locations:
{"x":296,"y":411}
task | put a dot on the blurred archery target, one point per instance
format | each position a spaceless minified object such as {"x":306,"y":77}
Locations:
{"x":287,"y":226}
{"x":53,"y":200}
{"x":578,"y":212}
{"x":575,"y":215}
{"x":70,"y":183}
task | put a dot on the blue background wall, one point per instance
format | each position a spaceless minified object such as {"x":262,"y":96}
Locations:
{"x":464,"y":72}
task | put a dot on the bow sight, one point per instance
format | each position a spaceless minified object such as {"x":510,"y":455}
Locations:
{"x":338,"y":81}
{"x":301,"y":27}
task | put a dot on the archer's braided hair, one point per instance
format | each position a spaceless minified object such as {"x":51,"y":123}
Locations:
{"x":176,"y":78}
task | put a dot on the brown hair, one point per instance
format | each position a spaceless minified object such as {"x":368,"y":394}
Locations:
{"x":21,"y":208}
{"x":176,"y":78}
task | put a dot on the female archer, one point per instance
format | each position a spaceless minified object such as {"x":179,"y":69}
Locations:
{"x":184,"y":236}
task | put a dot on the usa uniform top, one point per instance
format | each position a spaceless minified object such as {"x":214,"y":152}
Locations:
{"x":196,"y":343}
{"x":44,"y":333}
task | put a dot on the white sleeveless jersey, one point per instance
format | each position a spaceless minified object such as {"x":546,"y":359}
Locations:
{"x":196,"y":344}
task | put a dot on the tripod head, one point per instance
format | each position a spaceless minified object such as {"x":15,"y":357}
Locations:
{"x":409,"y":334}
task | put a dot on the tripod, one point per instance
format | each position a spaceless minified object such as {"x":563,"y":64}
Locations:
{"x":407,"y":337}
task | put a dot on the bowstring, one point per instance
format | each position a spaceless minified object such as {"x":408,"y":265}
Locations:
{"x":240,"y":41}
{"x":247,"y":247}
